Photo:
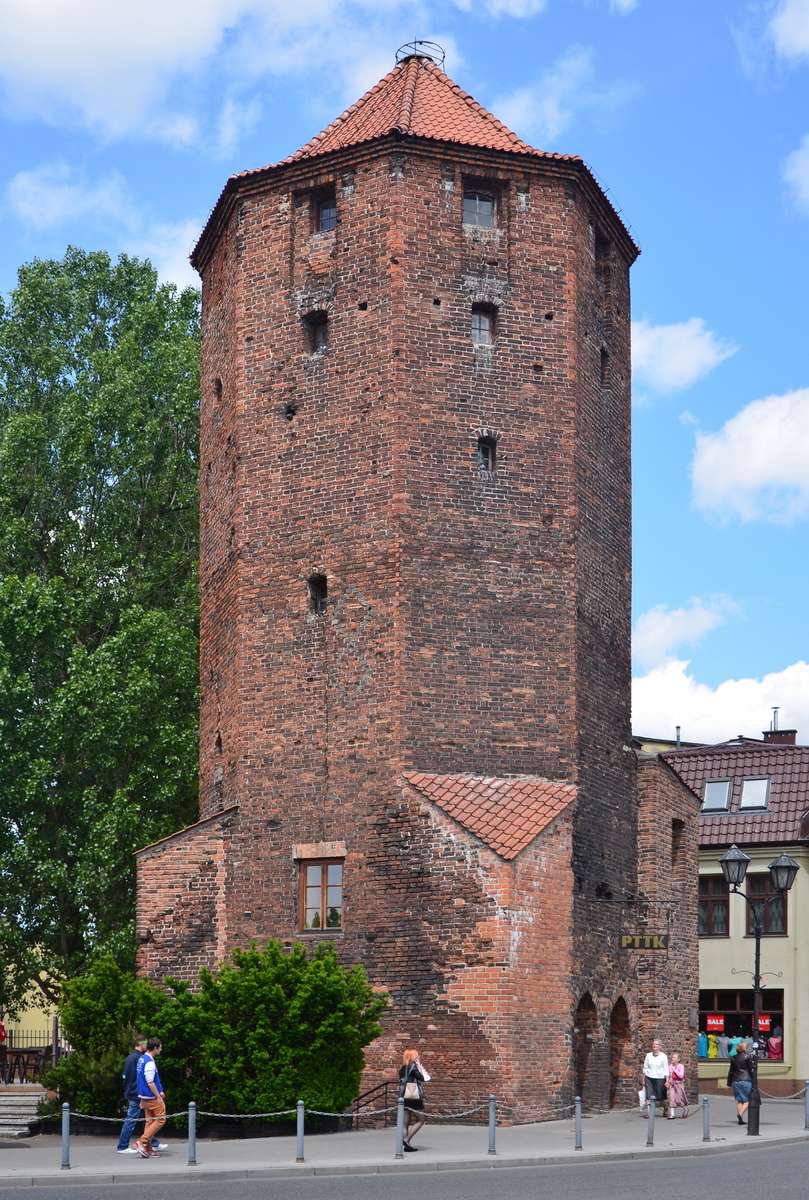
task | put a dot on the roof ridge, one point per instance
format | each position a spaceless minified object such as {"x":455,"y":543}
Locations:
{"x":411,"y":77}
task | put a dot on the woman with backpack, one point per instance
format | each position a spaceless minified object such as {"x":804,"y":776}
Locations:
{"x":411,"y":1077}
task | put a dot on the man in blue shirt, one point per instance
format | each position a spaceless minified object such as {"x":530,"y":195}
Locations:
{"x":152,"y":1098}
{"x":134,"y":1113}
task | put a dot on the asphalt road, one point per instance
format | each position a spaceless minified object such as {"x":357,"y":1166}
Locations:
{"x":775,"y":1174}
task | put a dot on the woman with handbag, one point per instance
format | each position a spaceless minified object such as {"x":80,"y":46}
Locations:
{"x":655,"y":1074}
{"x":411,"y":1077}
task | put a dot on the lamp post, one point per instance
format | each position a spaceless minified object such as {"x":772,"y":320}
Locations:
{"x":734,"y":863}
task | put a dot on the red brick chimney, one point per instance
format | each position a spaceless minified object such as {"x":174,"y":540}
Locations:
{"x":781,"y":737}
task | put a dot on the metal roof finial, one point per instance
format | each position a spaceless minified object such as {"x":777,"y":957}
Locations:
{"x":420,"y":48}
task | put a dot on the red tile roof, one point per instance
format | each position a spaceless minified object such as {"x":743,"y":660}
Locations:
{"x":418,"y":99}
{"x":786,"y":767}
{"x":506,"y":814}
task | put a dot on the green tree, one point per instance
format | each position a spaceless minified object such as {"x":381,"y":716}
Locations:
{"x":99,"y":411}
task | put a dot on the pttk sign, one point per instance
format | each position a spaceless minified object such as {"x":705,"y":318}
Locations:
{"x":715,"y":1023}
{"x":764,"y":1023}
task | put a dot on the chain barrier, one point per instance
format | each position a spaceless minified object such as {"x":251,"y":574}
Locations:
{"x":773,"y":1096}
{"x":120,"y":1120}
{"x":284,"y":1112}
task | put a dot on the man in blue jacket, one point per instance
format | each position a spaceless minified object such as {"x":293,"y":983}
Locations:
{"x":134,"y":1113}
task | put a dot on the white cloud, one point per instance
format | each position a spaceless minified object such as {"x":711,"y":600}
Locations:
{"x":544,"y":110}
{"x":756,"y":467}
{"x":670,"y":695}
{"x":623,"y":6}
{"x":236,"y":119}
{"x":789,"y":29}
{"x":668,"y":358}
{"x":168,"y":246}
{"x":662,"y":630}
{"x":796,"y":174}
{"x":515,"y":8}
{"x":56,"y":194}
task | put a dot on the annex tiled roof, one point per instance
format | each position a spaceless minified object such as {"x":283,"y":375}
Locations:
{"x":786,"y":767}
{"x":418,"y":99}
{"x":505,"y":813}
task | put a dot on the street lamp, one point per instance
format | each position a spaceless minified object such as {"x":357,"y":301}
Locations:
{"x":734,"y":863}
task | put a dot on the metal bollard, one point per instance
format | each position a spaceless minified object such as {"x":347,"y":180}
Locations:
{"x":650,"y":1128}
{"x":706,"y":1119}
{"x":400,"y":1127}
{"x":300,"y":1116}
{"x":806,"y":1104}
{"x":492,"y":1124}
{"x":577,"y":1115}
{"x":192,"y":1134}
{"x":65,"y":1137}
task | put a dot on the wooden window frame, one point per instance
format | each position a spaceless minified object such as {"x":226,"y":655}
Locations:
{"x":323,"y":863}
{"x":769,"y":909}
{"x":713,"y":897}
{"x":478,"y":188}
{"x":489,"y":312}
{"x":322,"y":199}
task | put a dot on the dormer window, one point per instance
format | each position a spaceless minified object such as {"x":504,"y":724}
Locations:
{"x":754,"y":793}
{"x":324,"y":211}
{"x":715,"y":795}
{"x":479,"y":207}
{"x":316,"y":327}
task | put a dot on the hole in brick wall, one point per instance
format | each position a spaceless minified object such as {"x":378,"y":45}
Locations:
{"x":538,"y":366}
{"x":317,"y":588}
{"x":395,"y":261}
{"x":363,"y":306}
{"x":548,"y":316}
{"x":316,"y":330}
{"x":217,"y":389}
{"x":218,"y":743}
{"x":604,"y":366}
{"x":289,"y":411}
{"x":437,"y":302}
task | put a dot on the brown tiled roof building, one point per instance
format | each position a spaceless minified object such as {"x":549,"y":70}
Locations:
{"x":415,"y":606}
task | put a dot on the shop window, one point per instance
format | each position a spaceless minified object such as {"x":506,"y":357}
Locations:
{"x":714,"y":903}
{"x":728,"y":1013}
{"x":321,"y":895}
{"x":773,"y":916}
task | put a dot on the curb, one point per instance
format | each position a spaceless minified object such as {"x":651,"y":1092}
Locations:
{"x":77,"y":1177}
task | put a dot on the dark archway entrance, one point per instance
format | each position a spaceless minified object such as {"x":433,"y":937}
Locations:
{"x":619,"y":1042}
{"x":585,"y":1025}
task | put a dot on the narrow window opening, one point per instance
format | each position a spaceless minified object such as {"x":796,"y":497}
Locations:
{"x":677,"y":832}
{"x":324,"y":208}
{"x":289,"y":411}
{"x":316,"y":326}
{"x":479,"y":208}
{"x":487,"y":453}
{"x":483,"y":324}
{"x":218,"y":743}
{"x":318,"y":594}
{"x":604,"y":368}
{"x":217,"y":390}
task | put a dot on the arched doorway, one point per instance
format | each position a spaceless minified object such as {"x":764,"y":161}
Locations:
{"x":619,"y":1041}
{"x":585,"y":1024}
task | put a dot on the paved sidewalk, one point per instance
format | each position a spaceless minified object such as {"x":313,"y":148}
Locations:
{"x":607,"y":1136}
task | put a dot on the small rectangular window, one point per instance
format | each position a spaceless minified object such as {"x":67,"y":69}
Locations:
{"x":317,"y":588}
{"x":483,"y":318}
{"x":316,"y":326}
{"x":754,"y":793}
{"x":715,"y":795}
{"x":604,"y":368}
{"x":772,"y":915}
{"x":324,"y":212}
{"x":479,"y":208}
{"x":487,"y":453}
{"x":713,"y":906}
{"x":321,"y":895}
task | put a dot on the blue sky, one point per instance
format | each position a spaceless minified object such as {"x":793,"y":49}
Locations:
{"x":120,"y":123}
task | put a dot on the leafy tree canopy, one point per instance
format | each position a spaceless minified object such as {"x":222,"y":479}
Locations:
{"x":99,"y":397}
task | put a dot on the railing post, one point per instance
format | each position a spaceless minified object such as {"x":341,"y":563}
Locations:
{"x":400,"y":1127}
{"x":706,"y":1119}
{"x":192,"y":1133}
{"x":300,"y":1117}
{"x":577,"y":1114}
{"x":492,"y":1124}
{"x":65,"y":1137}
{"x":650,"y":1128}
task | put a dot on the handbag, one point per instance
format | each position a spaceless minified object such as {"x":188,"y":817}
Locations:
{"x":412,"y":1090}
{"x":642,"y":1098}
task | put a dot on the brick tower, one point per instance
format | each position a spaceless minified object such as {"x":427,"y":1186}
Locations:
{"x":415,"y":588}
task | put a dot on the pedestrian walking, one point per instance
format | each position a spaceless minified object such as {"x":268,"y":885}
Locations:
{"x":740,"y":1078}
{"x":678,"y":1097}
{"x":152,"y":1098}
{"x":134,"y":1112}
{"x":412,"y":1075}
{"x":655,"y":1074}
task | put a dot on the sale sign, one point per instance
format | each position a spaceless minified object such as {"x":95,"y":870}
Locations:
{"x":764,"y":1023}
{"x":715,"y":1023}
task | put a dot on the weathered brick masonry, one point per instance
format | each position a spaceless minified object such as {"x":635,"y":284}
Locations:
{"x":477,"y":622}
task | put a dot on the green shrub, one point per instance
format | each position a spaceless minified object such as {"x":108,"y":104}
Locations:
{"x":265,"y":1030}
